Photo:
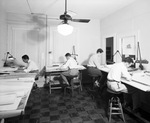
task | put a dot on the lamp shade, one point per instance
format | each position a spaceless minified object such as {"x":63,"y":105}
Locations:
{"x":65,"y":29}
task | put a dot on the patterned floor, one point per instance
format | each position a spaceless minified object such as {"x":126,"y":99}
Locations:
{"x":43,"y":107}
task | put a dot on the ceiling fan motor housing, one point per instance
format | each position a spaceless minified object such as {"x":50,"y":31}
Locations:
{"x":65,"y":17}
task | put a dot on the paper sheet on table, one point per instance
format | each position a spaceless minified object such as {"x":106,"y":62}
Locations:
{"x":13,"y":106}
{"x":7,"y":99}
{"x":6,"y":88}
{"x":29,"y":79}
{"x":7,"y":69}
{"x":18,"y":75}
{"x":141,"y":78}
{"x":49,"y":68}
{"x":52,"y":68}
{"x":105,"y":68}
{"x":17,"y":93}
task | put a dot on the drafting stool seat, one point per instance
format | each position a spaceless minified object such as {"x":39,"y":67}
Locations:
{"x":115,"y":107}
{"x":75,"y":84}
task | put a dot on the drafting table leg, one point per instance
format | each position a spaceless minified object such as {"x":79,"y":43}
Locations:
{"x":2,"y":120}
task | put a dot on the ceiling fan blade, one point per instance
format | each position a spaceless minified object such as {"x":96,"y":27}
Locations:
{"x":81,"y":20}
{"x":37,"y":14}
{"x":42,"y":16}
{"x":51,"y":18}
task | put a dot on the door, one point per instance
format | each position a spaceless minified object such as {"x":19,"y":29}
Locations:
{"x":109,"y":50}
{"x":24,"y":40}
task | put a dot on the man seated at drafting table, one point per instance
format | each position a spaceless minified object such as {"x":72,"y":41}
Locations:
{"x":70,"y":66}
{"x":116,"y":72}
{"x":30,"y":67}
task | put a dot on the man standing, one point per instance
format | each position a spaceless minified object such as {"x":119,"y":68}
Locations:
{"x":117,"y":71}
{"x":94,"y":64}
{"x":71,"y":68}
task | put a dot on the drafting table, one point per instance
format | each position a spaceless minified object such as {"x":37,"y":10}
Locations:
{"x":15,"y":89}
{"x":54,"y":71}
{"x":139,"y":80}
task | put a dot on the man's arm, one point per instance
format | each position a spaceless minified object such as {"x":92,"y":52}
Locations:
{"x":126,"y":74}
{"x":29,"y":67}
{"x":97,"y":64}
{"x":65,"y":66}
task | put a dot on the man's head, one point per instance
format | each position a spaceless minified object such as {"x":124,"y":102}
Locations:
{"x":25,"y":58}
{"x":99,"y":50}
{"x":128,"y":61}
{"x":67,"y":55}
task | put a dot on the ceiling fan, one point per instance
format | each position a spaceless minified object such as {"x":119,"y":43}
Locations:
{"x":64,"y":28}
{"x":66,"y":17}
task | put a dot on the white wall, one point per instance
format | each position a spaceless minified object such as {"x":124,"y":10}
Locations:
{"x":26,"y":35}
{"x":131,"y":20}
{"x":88,"y":35}
{"x":3,"y":32}
{"x":88,"y":40}
{"x":85,"y":38}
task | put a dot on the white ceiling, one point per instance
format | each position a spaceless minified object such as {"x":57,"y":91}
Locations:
{"x":91,"y":9}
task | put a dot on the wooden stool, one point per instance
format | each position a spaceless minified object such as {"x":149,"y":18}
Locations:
{"x":115,"y":107}
{"x":75,"y":84}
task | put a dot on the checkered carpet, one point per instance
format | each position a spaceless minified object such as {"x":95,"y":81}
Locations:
{"x":43,"y":107}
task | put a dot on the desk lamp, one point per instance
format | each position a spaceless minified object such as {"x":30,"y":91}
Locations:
{"x":140,"y":61}
{"x":8,"y":55}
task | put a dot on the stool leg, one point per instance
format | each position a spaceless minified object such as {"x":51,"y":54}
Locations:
{"x":122,"y":112}
{"x":115,"y":108}
{"x":120,"y":106}
{"x":80,"y":85}
{"x":78,"y":90}
{"x":110,"y":110}
{"x":65,"y":91}
{"x":50,"y":87}
{"x":72,"y":91}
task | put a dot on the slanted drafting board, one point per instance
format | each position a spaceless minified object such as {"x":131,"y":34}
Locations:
{"x":74,"y":55}
{"x":141,"y":78}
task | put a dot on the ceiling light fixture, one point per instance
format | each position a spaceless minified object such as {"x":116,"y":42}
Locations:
{"x":65,"y":29}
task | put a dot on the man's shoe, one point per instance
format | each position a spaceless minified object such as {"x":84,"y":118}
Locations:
{"x":65,"y":85}
{"x":136,"y":111}
{"x":127,"y":105}
{"x":96,"y":84}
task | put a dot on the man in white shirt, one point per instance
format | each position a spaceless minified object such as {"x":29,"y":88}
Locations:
{"x":94,"y":64}
{"x":117,"y":71}
{"x":31,"y":66}
{"x":71,"y":68}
